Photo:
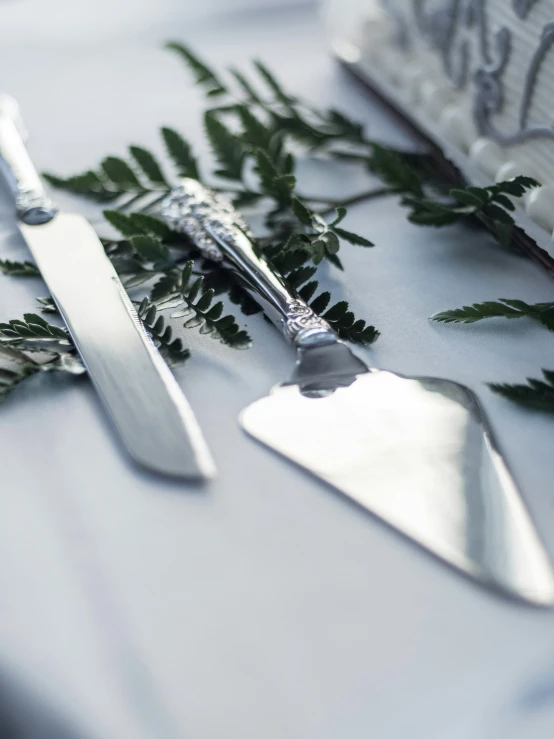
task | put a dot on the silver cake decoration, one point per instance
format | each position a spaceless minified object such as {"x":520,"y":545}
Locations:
{"x":445,"y":24}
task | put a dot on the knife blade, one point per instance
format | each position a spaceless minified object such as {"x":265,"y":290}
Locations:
{"x":416,"y":452}
{"x":154,"y":420}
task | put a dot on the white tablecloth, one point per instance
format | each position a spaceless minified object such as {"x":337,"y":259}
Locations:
{"x":263,"y":605}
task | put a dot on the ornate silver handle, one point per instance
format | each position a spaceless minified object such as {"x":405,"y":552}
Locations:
{"x":32,"y":203}
{"x":221,"y":234}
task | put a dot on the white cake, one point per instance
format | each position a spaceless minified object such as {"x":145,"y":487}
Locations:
{"x":477,"y":76}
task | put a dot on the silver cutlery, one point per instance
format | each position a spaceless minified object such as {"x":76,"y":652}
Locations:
{"x":145,"y":402}
{"x":416,"y":452}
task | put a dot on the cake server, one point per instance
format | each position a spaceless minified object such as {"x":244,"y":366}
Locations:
{"x":416,"y":452}
{"x":154,"y":419}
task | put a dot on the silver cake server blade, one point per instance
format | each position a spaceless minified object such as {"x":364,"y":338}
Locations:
{"x":145,"y":402}
{"x":416,"y":452}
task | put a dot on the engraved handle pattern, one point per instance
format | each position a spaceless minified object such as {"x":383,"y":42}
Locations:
{"x":221,"y":234}
{"x":32,"y":203}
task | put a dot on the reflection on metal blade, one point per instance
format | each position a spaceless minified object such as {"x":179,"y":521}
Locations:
{"x":138,"y":389}
{"x":416,"y":453}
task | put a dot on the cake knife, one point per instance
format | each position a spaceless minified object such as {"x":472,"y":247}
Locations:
{"x":145,"y":402}
{"x":416,"y":452}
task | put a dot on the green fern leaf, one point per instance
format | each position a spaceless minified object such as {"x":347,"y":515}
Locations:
{"x":89,"y":184}
{"x":278,"y":186}
{"x":149,"y":165}
{"x":502,"y":308}
{"x":18,"y":269}
{"x":227,"y":148}
{"x":202,"y":74}
{"x":352,"y":238}
{"x":180,"y":152}
{"x":147,"y":224}
{"x":33,"y":333}
{"x":273,"y":85}
{"x":121,"y":222}
{"x":152,"y":250}
{"x":536,"y":394}
{"x":247,"y":88}
{"x":120,"y":173}
{"x":170,"y":348}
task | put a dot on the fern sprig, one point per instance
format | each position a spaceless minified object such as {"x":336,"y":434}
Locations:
{"x":535,"y":394}
{"x":33,"y":333}
{"x":18,"y":269}
{"x":180,"y":152}
{"x":338,"y":315}
{"x":21,"y":341}
{"x":227,"y":147}
{"x":503,"y":308}
{"x":204,"y":76}
{"x":201,"y":312}
{"x":492,"y":205}
{"x":170,"y":348}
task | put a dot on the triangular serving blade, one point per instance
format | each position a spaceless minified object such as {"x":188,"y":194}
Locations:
{"x":418,"y":454}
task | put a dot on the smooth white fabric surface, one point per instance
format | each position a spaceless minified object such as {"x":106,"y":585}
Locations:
{"x":264,"y":604}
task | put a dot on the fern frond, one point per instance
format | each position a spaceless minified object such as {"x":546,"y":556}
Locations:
{"x":171,"y":349}
{"x":228,"y":149}
{"x":149,"y":166}
{"x":503,"y":308}
{"x":18,"y":269}
{"x":33,"y":333}
{"x":203,"y":75}
{"x":201,"y":312}
{"x":536,"y":394}
{"x":180,"y":153}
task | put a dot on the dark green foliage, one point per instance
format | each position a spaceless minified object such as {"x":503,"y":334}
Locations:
{"x":352,"y":238}
{"x":279,"y":94}
{"x":254,"y":127}
{"x":543,"y":312}
{"x":431,"y":203}
{"x":535,"y":394}
{"x":180,"y":153}
{"x":173,"y":274}
{"x":338,"y":315}
{"x":490,"y":204}
{"x":320,"y":239}
{"x":395,"y":171}
{"x":228,"y":148}
{"x":89,"y":184}
{"x":134,"y":224}
{"x":277,"y":185}
{"x":33,"y":333}
{"x":251,"y":95}
{"x":171,"y":349}
{"x":202,"y":74}
{"x":152,"y":250}
{"x":196,"y":305}
{"x":139,"y":181}
{"x":120,"y":173}
{"x":21,"y":341}
{"x":256,"y":135}
{"x":148,"y":164}
{"x":18,"y":269}
{"x":221,"y":282}
{"x":347,"y":327}
{"x":47,"y":305}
